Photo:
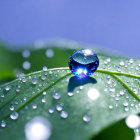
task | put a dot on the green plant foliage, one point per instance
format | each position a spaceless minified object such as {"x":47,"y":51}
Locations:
{"x":91,"y":105}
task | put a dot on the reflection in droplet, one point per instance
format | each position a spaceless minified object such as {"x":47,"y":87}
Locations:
{"x":133,"y":121}
{"x":93,"y":94}
{"x":38,"y":128}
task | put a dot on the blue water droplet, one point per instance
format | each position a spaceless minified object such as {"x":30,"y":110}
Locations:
{"x":83,"y":63}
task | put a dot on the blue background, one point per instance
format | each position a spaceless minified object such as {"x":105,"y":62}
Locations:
{"x":113,"y":24}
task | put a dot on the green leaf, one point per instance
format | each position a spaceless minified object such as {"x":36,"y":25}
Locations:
{"x":109,"y":95}
{"x":11,"y":60}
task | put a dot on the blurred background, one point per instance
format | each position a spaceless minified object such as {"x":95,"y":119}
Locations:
{"x":108,"y":23}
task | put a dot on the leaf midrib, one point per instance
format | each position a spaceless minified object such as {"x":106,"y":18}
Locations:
{"x":113,"y":74}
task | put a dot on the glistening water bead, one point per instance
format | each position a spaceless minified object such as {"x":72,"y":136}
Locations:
{"x":83,"y":63}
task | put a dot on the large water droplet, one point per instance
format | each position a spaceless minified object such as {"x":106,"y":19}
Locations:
{"x":83,"y":63}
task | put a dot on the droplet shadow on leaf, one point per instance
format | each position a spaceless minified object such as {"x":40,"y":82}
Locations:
{"x":76,"y":82}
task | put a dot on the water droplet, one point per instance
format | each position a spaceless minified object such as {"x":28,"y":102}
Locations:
{"x":44,"y":93}
{"x":122,"y":92}
{"x":34,"y":106}
{"x":43,"y":100}
{"x":26,"y":53}
{"x":64,"y":114}
{"x":2,"y":95}
{"x":86,"y":118}
{"x":26,"y":65}
{"x":125,"y":103}
{"x":43,"y":77}
{"x":131,"y":61}
{"x":51,"y":110}
{"x":59,"y":107}
{"x":122,"y":63}
{"x":45,"y":68}
{"x":12,"y":108}
{"x":18,"y":90}
{"x":110,"y":107}
{"x":56,"y":95}
{"x":133,"y":121}
{"x":126,"y":108}
{"x":39,"y":128}
{"x":83,"y":63}
{"x":112,"y":89}
{"x":3,"y":123}
{"x":93,"y":94}
{"x":7,"y":88}
{"x":49,"y":53}
{"x":70,"y":93}
{"x":34,"y":81}
{"x":14,"y":116}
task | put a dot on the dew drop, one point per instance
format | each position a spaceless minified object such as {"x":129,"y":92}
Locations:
{"x":112,"y":89}
{"x":56,"y":95}
{"x":7,"y":88}
{"x":125,"y":103}
{"x":110,"y":107}
{"x":45,"y":68}
{"x":70,"y":93}
{"x":131,"y":61}
{"x":12,"y":108}
{"x":43,"y":100}
{"x":34,"y":81}
{"x":34,"y":106}
{"x":14,"y":116}
{"x":59,"y":107}
{"x":44,"y":93}
{"x":64,"y":114}
{"x":39,"y":128}
{"x":51,"y":110}
{"x":3,"y":123}
{"x":122,"y":92}
{"x":18,"y":90}
{"x":122,"y":63}
{"x":86,"y":118}
{"x":2,"y":95}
